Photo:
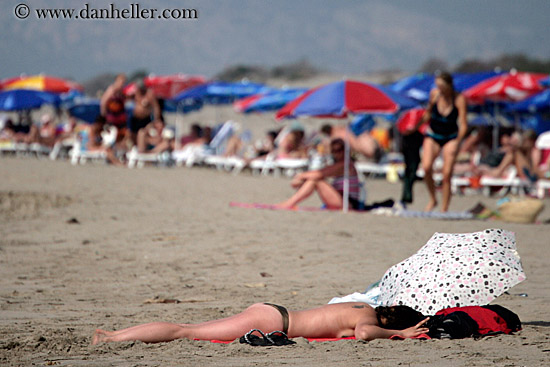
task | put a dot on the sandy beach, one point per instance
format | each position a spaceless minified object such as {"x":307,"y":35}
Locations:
{"x":93,"y":246}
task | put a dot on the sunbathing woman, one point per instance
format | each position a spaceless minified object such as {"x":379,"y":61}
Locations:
{"x":331,"y":194}
{"x":329,"y":321}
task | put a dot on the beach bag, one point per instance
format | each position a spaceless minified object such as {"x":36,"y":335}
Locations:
{"x":456,"y":325}
{"x":476,"y":321}
{"x":521,"y":211}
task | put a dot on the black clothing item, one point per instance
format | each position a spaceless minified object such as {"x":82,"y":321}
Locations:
{"x":411,"y":152}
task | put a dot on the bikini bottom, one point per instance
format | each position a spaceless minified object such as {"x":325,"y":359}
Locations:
{"x":284,"y":314}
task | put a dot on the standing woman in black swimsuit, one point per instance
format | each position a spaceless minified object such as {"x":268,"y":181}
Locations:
{"x":446,"y":112}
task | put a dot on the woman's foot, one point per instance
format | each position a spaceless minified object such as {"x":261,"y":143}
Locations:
{"x":431,"y":205}
{"x":284,"y":205}
{"x":100,"y":336}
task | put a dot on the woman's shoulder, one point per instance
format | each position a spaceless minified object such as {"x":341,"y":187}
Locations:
{"x":460,"y":99}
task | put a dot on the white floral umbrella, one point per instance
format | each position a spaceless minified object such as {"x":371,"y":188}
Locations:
{"x":454,"y":270}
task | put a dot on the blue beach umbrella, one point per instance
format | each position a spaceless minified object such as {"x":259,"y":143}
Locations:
{"x":24,"y":99}
{"x":463,"y":81}
{"x":416,"y":86}
{"x":85,"y":109}
{"x":219,"y":92}
{"x":270,"y":101}
{"x":539,"y":102}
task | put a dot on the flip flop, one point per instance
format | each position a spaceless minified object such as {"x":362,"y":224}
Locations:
{"x":279,"y":338}
{"x":275,"y":338}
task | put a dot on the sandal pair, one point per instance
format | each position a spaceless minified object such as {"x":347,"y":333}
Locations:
{"x":275,"y":338}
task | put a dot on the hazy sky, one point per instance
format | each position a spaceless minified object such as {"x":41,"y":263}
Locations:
{"x":339,"y":36}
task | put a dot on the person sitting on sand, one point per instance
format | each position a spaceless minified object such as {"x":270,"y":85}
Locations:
{"x":328,"y":321}
{"x":331,"y":194}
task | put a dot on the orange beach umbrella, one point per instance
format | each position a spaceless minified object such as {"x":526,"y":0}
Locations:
{"x":43,"y":83}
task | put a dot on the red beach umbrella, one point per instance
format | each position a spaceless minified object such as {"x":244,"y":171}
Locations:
{"x":339,"y":99}
{"x":513,"y":86}
{"x":241,"y":104}
{"x":167,"y":86}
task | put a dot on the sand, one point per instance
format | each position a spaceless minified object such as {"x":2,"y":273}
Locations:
{"x":89,"y":246}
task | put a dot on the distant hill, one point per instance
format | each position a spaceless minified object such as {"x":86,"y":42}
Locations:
{"x":337,"y":36}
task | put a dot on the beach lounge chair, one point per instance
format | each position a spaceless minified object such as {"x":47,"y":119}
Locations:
{"x":218,"y":144}
{"x":278,"y":166}
{"x":38,"y":150}
{"x":192,"y":154}
{"x":371,"y":169}
{"x":79,"y":153}
{"x":542,"y":187}
{"x":10,"y":147}
{"x":136,"y":159}
{"x":504,"y":185}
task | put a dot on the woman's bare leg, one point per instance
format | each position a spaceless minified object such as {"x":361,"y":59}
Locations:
{"x":449,"y":157}
{"x":141,"y":140}
{"x":504,"y":164}
{"x":522,"y":164}
{"x":305,"y":191}
{"x":430,"y":151}
{"x":257,"y":316}
{"x":329,"y":195}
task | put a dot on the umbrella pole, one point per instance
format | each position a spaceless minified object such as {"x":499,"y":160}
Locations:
{"x":495,"y":128}
{"x":178,"y":130}
{"x":345,"y":196}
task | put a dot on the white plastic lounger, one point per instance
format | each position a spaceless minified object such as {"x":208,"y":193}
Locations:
{"x":542,"y":187}
{"x":510,"y":183}
{"x":81,"y":156}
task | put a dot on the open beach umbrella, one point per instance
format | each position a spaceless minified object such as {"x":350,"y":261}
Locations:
{"x":453,"y":270}
{"x":218,"y":92}
{"x":464,"y":81}
{"x":415,"y":86}
{"x":539,"y":102}
{"x":23,"y":99}
{"x":269,"y":101}
{"x":84,"y":108}
{"x":341,"y":99}
{"x":214,"y":92}
{"x":167,"y":86}
{"x":43,"y":83}
{"x":507,"y":87}
{"x":504,"y":88}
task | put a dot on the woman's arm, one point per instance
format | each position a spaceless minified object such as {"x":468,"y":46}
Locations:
{"x":156,"y":106}
{"x":462,"y":107}
{"x":367,"y":331}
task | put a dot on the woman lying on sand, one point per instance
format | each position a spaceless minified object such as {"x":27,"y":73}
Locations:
{"x":329,"y":321}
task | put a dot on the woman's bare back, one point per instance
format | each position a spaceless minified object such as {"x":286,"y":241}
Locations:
{"x":330,"y":321}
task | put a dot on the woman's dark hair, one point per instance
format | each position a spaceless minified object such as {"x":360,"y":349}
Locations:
{"x":338,"y":142}
{"x":398,"y":317}
{"x":447,"y":78}
{"x":326,"y":129}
